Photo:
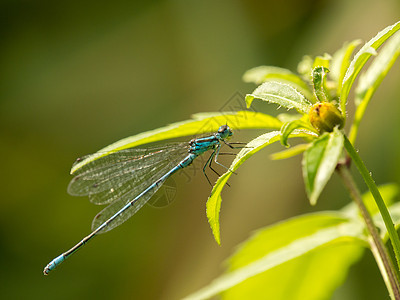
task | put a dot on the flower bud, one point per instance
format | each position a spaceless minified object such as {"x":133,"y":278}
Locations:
{"x":324,"y":116}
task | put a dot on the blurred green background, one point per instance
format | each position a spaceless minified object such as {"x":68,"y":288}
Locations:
{"x":79,"y":75}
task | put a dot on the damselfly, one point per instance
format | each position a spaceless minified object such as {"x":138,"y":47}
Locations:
{"x":127,"y":179}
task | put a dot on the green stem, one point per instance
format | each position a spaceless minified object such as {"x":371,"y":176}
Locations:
{"x":378,"y":249}
{"x":366,"y":175}
{"x":359,"y":115}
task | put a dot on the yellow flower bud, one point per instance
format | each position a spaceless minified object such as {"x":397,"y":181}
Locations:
{"x":324,"y":116}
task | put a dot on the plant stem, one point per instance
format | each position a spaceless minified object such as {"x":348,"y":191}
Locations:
{"x":379,"y":250}
{"x":366,"y":175}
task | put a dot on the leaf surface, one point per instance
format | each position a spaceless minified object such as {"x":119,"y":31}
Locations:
{"x":214,"y":201}
{"x":297,"y":265}
{"x":261,"y":74}
{"x":282,"y":94}
{"x":319,"y":162}
{"x":361,"y":58}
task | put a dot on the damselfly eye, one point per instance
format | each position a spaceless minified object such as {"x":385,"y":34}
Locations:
{"x":224,"y":132}
{"x":223,"y":128}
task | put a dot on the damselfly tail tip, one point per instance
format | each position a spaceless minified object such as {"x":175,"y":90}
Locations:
{"x":46,"y":270}
{"x":53,"y":264}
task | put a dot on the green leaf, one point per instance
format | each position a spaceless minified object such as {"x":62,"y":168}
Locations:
{"x":360,"y":59}
{"x":289,"y":127}
{"x":319,"y":162}
{"x":395,"y":214}
{"x":312,"y":276}
{"x":341,"y":61}
{"x":214,"y":201}
{"x":322,"y":61}
{"x":282,"y":234}
{"x":319,"y":80}
{"x":324,"y":244}
{"x":372,"y":78}
{"x":282,"y":94}
{"x":200,"y":123}
{"x":261,"y":74}
{"x":288,"y":153}
{"x":388,"y":192}
{"x":266,"y":265}
{"x":284,"y":118}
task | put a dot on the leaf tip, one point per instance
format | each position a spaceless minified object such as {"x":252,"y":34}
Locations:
{"x":249,"y":99}
{"x":218,"y":240}
{"x":213,"y":207}
{"x":313,"y":199}
{"x":216,"y":233}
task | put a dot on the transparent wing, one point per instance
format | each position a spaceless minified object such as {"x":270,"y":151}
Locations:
{"x":114,"y":207}
{"x":108,"y":178}
{"x":119,"y":177}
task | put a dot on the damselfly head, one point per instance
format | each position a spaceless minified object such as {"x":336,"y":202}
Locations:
{"x":225,"y":132}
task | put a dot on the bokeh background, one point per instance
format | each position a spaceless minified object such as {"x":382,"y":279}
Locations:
{"x":78,"y":75}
